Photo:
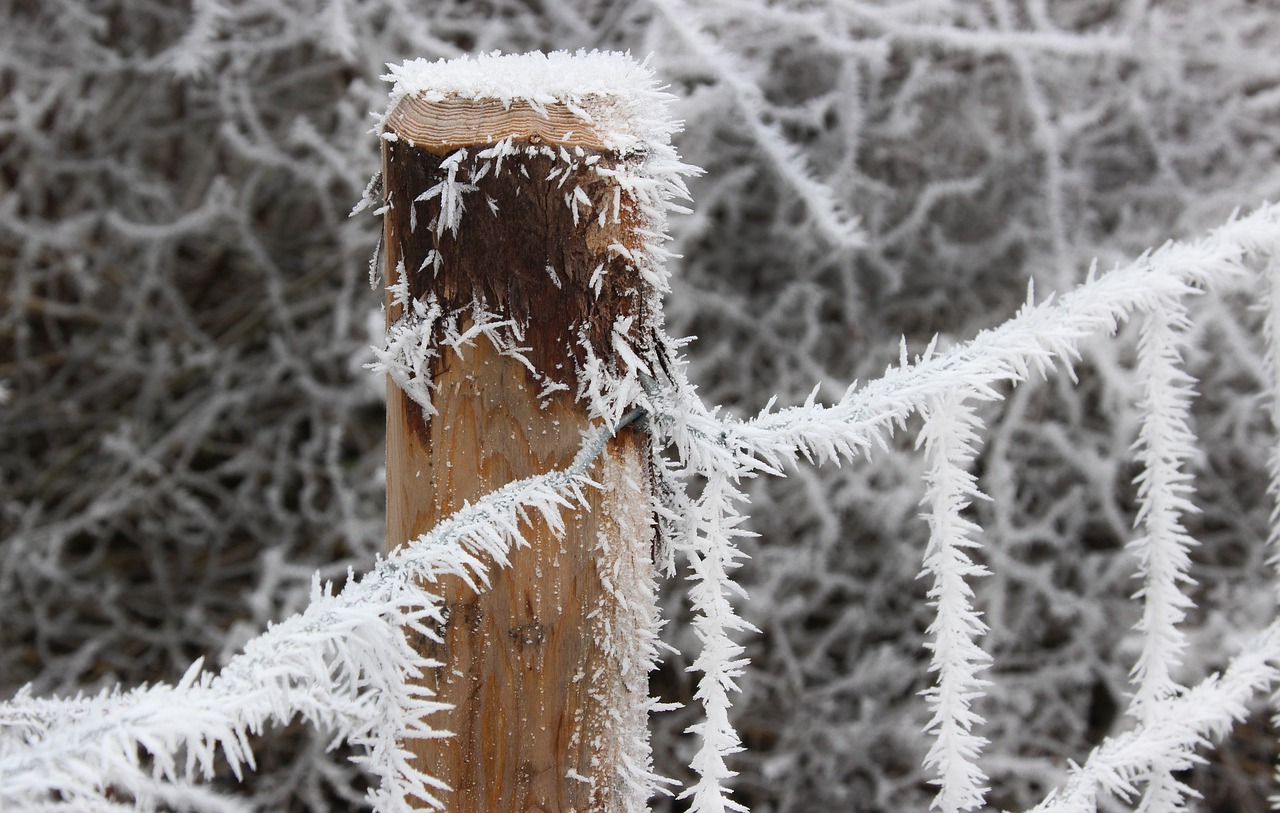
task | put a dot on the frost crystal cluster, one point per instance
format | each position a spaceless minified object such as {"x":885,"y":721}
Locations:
{"x":1041,"y":576}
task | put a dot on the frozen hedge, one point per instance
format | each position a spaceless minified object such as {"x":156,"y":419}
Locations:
{"x":189,"y":435}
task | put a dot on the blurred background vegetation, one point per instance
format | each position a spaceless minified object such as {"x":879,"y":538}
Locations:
{"x":188,"y":433}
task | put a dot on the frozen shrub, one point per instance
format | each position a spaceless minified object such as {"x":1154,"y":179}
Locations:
{"x":188,"y":434}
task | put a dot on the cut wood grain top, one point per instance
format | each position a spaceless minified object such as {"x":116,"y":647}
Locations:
{"x":445,"y":125}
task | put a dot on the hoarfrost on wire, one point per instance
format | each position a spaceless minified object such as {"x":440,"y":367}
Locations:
{"x":344,"y":663}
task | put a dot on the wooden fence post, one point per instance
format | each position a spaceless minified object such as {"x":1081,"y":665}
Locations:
{"x":507,"y":217}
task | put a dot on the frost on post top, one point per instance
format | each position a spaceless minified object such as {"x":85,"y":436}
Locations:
{"x":600,"y":100}
{"x":522,"y":186}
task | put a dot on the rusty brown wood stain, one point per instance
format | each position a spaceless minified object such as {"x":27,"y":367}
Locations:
{"x":500,"y":258}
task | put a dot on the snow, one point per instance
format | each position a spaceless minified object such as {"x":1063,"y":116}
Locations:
{"x":618,"y":96}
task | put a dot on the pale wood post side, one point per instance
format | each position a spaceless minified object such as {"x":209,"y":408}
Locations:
{"x":545,"y":686}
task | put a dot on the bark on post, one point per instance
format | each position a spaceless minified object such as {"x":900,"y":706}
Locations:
{"x":510,"y":217}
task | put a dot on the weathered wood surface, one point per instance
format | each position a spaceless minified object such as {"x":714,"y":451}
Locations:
{"x":441,"y":126}
{"x":536,"y":666}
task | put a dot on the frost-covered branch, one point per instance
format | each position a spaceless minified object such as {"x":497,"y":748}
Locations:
{"x":833,"y":224}
{"x":1173,"y":730}
{"x":1271,"y":332}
